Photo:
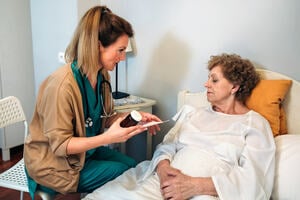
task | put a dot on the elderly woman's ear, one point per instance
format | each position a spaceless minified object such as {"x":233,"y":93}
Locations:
{"x":235,"y":88}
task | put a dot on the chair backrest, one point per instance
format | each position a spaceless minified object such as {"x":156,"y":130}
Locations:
{"x":11,"y":112}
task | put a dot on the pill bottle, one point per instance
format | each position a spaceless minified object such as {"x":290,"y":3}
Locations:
{"x":132,"y":119}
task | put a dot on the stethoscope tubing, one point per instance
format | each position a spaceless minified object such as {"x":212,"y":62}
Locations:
{"x":89,"y":120}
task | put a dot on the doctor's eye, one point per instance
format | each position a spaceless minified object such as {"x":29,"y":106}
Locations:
{"x":120,"y":51}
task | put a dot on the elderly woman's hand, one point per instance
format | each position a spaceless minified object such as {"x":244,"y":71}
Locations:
{"x":168,"y":177}
{"x":178,"y":186}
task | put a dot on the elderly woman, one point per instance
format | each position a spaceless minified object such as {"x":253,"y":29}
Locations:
{"x":223,"y":151}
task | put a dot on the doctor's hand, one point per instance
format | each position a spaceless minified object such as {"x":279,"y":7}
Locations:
{"x":148,"y":117}
{"x":116,"y":134}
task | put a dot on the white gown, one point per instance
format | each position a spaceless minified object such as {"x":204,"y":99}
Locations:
{"x":237,"y":151}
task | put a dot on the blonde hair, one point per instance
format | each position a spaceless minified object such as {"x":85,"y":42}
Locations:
{"x":98,"y":24}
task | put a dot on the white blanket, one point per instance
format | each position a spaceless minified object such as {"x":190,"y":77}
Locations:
{"x":237,"y":151}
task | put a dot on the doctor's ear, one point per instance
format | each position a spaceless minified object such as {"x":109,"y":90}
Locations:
{"x":100,"y":45}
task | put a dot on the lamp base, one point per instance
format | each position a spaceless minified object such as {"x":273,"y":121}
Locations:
{"x":119,"y":95}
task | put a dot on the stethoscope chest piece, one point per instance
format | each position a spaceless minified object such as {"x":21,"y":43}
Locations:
{"x":88,"y":122}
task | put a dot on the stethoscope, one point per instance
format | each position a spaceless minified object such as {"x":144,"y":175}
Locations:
{"x":89,"y":120}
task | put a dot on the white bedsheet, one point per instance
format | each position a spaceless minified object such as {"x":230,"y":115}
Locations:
{"x":236,"y":151}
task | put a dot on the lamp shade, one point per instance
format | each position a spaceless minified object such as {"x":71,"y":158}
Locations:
{"x":129,"y":47}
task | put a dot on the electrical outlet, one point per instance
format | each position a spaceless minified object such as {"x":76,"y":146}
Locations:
{"x":61,"y":57}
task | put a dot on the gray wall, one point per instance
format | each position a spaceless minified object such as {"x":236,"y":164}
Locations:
{"x":53,"y":23}
{"x":174,"y":40}
{"x":16,"y":62}
{"x":16,"y":66}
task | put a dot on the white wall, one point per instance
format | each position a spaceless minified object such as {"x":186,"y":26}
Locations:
{"x":16,"y":67}
{"x":83,"y":6}
{"x":16,"y":62}
{"x":175,"y":38}
{"x":53,"y":24}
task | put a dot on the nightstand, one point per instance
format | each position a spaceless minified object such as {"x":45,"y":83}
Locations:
{"x":144,"y":105}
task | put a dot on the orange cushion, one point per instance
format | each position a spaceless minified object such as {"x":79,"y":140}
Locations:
{"x":266,"y":99}
{"x":283,"y":124}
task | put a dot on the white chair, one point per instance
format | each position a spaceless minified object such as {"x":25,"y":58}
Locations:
{"x":11,"y":112}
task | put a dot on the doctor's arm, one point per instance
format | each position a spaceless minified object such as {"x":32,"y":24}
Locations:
{"x":115,"y":134}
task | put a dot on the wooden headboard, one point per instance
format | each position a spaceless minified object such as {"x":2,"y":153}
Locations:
{"x":291,"y":103}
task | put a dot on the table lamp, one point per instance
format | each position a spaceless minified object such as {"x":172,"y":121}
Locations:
{"x":117,"y":94}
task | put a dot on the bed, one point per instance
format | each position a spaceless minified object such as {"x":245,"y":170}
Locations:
{"x":287,"y":175}
{"x":276,"y":97}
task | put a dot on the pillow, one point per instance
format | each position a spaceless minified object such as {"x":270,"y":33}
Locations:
{"x":283,"y":124}
{"x":287,"y":165}
{"x":266,"y":99}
